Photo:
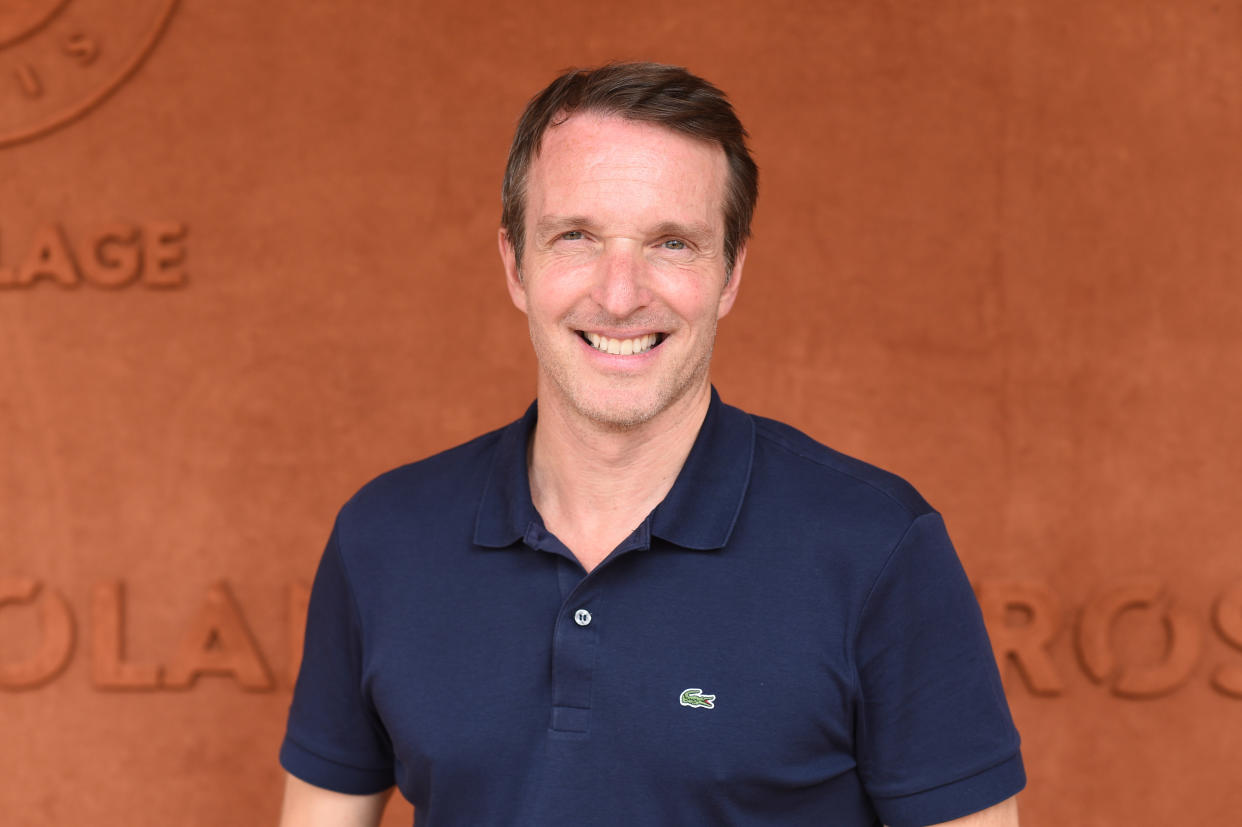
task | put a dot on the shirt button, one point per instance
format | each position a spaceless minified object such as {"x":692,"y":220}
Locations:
{"x":582,"y":617}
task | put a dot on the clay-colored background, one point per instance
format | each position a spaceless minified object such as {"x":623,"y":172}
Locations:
{"x":997,"y":251}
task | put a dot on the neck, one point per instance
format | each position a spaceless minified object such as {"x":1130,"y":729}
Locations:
{"x":593,"y":484}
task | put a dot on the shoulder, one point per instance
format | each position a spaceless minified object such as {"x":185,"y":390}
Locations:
{"x":814,"y":490}
{"x":814,"y":463}
{"x":442,"y":485}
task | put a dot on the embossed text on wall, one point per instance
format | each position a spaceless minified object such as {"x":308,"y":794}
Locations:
{"x":215,"y":640}
{"x":1024,"y":621}
{"x":61,"y":58}
{"x":112,"y":255}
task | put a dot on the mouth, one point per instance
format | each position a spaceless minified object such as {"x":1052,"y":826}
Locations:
{"x":622,"y":347}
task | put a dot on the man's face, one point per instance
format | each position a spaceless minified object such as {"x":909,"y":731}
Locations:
{"x":623,"y":277}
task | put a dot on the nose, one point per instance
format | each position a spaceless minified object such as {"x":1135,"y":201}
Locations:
{"x":620,"y":287}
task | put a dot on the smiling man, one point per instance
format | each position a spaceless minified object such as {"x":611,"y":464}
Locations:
{"x":637,"y":605}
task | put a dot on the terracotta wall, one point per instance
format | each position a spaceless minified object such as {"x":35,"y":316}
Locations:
{"x":247,"y":262}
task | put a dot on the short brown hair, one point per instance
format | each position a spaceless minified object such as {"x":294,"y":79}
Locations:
{"x":666,"y":95}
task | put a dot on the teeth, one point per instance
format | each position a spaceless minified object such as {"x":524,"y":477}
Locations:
{"x":623,"y":347}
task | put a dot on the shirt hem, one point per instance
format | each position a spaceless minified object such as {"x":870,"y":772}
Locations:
{"x":955,"y":799}
{"x":332,"y":775}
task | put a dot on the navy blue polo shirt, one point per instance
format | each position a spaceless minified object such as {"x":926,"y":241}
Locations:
{"x":788,"y":638}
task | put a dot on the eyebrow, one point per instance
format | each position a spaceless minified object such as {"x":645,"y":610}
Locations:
{"x":695,"y":231}
{"x":553,"y":223}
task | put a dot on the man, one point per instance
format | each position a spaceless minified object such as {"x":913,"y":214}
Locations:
{"x":637,"y":605}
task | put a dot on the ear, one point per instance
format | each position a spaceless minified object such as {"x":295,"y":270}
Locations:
{"x":513,"y":278}
{"x":729,"y":294}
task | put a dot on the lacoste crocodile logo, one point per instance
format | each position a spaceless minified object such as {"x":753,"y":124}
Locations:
{"x":695,"y":697}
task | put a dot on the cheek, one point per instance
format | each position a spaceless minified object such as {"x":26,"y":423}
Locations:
{"x":552,"y":299}
{"x":692,"y":299}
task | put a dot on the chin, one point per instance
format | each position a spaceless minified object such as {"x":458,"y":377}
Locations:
{"x":621,"y":415}
{"x":625,"y":408}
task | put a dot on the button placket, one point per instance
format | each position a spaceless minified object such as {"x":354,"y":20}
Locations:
{"x":575,"y":638}
{"x":575,"y":648}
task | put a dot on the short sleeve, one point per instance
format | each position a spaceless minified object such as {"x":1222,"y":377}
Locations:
{"x":935,"y":737}
{"x":334,"y":739}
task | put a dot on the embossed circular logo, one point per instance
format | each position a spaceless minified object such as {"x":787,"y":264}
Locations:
{"x":61,"y":58}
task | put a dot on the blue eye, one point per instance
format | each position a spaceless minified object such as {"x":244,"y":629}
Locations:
{"x":674,"y":244}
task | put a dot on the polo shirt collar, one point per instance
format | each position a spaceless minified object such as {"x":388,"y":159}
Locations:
{"x":698,"y":513}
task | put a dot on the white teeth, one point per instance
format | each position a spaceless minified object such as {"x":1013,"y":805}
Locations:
{"x":623,"y":347}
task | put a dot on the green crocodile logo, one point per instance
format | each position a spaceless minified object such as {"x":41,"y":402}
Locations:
{"x":695,"y":697}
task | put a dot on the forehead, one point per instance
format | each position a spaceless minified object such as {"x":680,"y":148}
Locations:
{"x":614,"y":170}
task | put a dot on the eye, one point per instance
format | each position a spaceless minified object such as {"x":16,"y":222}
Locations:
{"x":571,"y":235}
{"x":673,"y":244}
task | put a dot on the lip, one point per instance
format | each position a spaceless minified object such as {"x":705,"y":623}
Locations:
{"x":620,"y":334}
